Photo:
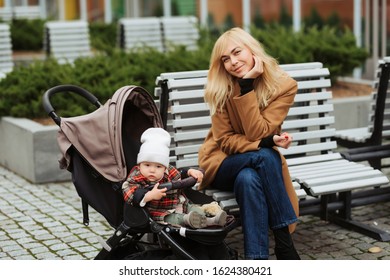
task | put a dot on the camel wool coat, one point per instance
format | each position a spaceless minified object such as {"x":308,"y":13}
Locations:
{"x":240,"y":127}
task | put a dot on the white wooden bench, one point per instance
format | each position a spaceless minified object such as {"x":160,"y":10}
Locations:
{"x":363,"y":142}
{"x":180,"y":30}
{"x":67,"y":40}
{"x":136,"y":33}
{"x":27,"y":12}
{"x":6,"y":14}
{"x":324,"y":179}
{"x":161,"y":33}
{"x":361,"y":136}
{"x":6,"y":61}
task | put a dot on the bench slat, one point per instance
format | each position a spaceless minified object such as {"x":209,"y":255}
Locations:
{"x":349,"y":185}
{"x":342,"y":177}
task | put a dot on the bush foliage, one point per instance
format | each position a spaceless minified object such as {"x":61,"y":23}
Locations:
{"x":111,"y":68}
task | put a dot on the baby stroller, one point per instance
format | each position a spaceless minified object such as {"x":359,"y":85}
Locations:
{"x":98,"y":149}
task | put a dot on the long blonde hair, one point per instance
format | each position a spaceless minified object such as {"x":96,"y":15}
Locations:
{"x":220,"y":83}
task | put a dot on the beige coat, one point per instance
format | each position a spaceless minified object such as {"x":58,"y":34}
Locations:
{"x":240,"y":127}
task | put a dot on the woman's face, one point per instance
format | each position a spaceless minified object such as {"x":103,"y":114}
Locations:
{"x":237,"y":60}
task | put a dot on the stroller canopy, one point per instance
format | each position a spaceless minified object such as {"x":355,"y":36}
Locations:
{"x":98,"y":137}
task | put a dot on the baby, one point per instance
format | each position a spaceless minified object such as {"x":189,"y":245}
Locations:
{"x":153,"y":168}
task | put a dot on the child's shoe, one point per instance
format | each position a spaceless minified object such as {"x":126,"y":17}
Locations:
{"x":218,"y":220}
{"x":195,"y":220}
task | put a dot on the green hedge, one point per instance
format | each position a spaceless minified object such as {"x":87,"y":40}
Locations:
{"x":336,"y":50}
{"x":21,"y":91}
{"x":27,"y":35}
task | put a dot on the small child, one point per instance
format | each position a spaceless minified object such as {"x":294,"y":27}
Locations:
{"x":153,"y":168}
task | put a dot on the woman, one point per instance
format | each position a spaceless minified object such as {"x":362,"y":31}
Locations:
{"x":249,"y":96}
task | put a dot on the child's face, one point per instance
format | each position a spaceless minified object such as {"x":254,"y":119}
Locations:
{"x":152,"y":171}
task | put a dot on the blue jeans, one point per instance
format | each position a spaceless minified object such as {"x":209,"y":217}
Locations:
{"x":257,"y":181}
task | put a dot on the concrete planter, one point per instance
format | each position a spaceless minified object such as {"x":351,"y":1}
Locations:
{"x":30,"y":150}
{"x":352,"y":112}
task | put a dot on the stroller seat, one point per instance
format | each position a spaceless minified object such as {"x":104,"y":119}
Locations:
{"x":98,"y":149}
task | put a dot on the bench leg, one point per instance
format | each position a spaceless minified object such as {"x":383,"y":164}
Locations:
{"x":344,"y":219}
{"x":376,"y":163}
{"x":346,"y":211}
{"x":326,"y":206}
{"x":359,"y":227}
{"x":340,"y":212}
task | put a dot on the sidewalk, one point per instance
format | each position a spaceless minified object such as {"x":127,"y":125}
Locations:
{"x":45,"y":222}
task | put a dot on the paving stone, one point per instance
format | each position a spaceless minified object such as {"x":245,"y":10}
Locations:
{"x":61,"y":234}
{"x":366,"y":256}
{"x":7,"y":243}
{"x":21,"y":233}
{"x":51,"y":242}
{"x":70,"y":238}
{"x":338,"y":254}
{"x":47,"y":256}
{"x":43,"y":237}
{"x":58,"y":247}
{"x":17,"y":253}
{"x":39,"y":250}
{"x":25,"y":240}
{"x":11,"y":248}
{"x":65,"y":253}
{"x":26,"y":257}
{"x":353,"y":251}
{"x":27,"y":223}
{"x":32,"y":245}
{"x":91,"y":255}
{"x":76,"y":256}
{"x":78,"y":244}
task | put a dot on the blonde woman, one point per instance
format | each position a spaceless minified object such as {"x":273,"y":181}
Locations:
{"x":249,"y":96}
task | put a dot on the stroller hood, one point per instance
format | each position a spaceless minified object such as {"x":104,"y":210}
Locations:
{"x":98,"y":136}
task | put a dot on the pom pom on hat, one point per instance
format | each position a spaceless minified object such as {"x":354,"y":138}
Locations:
{"x":155,"y":146}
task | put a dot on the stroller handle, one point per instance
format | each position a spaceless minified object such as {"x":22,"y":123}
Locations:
{"x":179,"y":184}
{"x":61,"y":88}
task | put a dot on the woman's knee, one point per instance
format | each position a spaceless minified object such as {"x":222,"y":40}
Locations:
{"x":247,"y":180}
{"x":247,"y":175}
{"x":269,"y":157}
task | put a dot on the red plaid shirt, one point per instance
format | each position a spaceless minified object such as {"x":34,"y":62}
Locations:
{"x":158,"y":209}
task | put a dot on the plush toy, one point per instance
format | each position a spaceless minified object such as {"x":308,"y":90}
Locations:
{"x":211,"y":209}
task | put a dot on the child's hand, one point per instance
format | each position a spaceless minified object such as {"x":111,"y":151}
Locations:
{"x":155,"y":194}
{"x":197,"y":174}
{"x":283,"y":141}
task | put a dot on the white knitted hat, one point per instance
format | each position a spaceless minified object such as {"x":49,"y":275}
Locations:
{"x":155,"y":146}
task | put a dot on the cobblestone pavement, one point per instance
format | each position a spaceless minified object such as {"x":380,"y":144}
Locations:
{"x":44,"y":221}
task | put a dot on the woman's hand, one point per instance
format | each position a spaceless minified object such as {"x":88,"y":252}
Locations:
{"x":155,"y":194}
{"x":283,"y":140}
{"x":197,"y":174}
{"x":256,"y":71}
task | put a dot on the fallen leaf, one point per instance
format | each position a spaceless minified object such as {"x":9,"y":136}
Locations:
{"x":375,"y":250}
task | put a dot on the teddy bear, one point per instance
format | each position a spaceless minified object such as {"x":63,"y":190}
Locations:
{"x":211,"y":209}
